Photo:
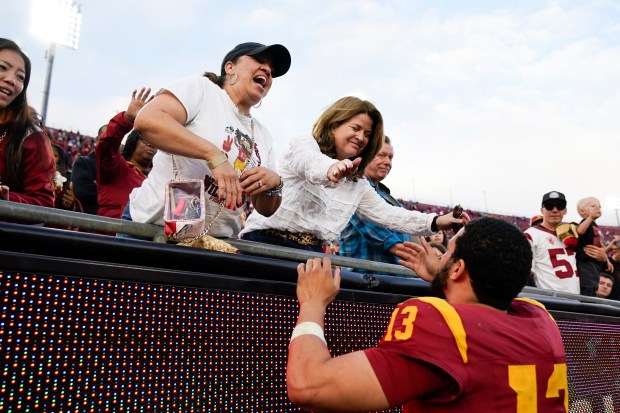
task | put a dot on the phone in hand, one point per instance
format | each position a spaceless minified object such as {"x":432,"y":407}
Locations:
{"x":457,"y":211}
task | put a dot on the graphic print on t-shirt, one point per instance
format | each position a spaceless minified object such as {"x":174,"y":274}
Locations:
{"x":244,"y":143}
{"x":243,"y":161}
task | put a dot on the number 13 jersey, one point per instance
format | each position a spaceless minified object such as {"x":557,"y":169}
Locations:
{"x":501,"y":362}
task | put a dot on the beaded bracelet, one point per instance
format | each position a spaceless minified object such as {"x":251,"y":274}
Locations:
{"x":276,"y":190}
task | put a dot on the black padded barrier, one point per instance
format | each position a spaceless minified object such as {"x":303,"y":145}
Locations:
{"x":94,"y":323}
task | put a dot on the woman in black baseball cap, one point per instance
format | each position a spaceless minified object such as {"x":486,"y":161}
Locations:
{"x":205,"y":122}
{"x":280,"y":57}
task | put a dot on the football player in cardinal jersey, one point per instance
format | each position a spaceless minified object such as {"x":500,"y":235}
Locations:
{"x":480,"y":349}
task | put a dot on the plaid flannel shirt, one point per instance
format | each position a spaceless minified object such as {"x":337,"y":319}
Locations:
{"x":369,"y":241}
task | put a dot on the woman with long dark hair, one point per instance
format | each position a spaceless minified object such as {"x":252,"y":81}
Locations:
{"x":26,"y":162}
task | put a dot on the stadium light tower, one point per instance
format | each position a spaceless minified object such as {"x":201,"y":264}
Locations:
{"x":614,"y":203}
{"x":57,"y":22}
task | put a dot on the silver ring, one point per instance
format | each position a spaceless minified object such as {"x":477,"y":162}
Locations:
{"x":260,"y":183}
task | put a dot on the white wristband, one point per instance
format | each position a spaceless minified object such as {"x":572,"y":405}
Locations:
{"x":308,"y":327}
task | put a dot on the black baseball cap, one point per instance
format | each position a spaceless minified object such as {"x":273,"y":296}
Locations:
{"x":280,"y":57}
{"x":554,"y":196}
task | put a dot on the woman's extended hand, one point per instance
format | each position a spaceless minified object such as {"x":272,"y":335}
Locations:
{"x":343,"y":169}
{"x":259,"y":179}
{"x":446,"y":221}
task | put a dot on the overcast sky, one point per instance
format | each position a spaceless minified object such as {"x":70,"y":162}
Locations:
{"x":488,"y":103}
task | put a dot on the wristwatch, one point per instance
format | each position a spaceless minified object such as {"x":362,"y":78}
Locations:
{"x":217,"y":161}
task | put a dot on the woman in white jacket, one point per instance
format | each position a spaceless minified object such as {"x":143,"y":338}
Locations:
{"x":324,"y":184}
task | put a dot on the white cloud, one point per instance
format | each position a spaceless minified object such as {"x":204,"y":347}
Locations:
{"x":265,"y":18}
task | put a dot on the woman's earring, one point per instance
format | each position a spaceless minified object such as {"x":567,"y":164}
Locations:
{"x":231,"y":81}
{"x":259,"y":103}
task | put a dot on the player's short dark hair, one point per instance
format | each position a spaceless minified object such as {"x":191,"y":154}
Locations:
{"x":498,"y":257}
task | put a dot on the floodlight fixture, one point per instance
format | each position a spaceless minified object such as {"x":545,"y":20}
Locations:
{"x":57,"y":22}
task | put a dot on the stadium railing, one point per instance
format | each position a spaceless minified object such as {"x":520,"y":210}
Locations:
{"x":96,"y":323}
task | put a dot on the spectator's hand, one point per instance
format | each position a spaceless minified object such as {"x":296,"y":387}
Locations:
{"x":446,"y":221}
{"x":316,"y":285}
{"x":257,"y":180}
{"x":392,"y":250}
{"x":229,"y":187}
{"x":4,"y":192}
{"x":137,"y":102}
{"x":343,"y":169}
{"x":595,"y":213}
{"x":612,"y":245}
{"x":420,"y":258}
{"x":598,"y":253}
{"x":610,"y":266}
{"x":68,"y":198}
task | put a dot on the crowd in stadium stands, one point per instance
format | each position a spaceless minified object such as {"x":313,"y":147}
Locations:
{"x":521,"y":222}
{"x":74,"y":143}
{"x":30,"y":174}
{"x":77,"y":144}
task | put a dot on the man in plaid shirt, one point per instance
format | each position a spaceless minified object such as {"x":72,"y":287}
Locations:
{"x":364,"y":239}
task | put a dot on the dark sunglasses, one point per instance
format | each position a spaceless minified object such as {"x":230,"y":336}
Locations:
{"x":550,"y":206}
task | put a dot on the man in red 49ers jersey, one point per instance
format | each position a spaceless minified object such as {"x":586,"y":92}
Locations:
{"x":479,"y":350}
{"x":554,"y":266}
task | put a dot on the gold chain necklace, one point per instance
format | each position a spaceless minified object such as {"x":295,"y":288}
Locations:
{"x":247,"y":162}
{"x":249,"y":115}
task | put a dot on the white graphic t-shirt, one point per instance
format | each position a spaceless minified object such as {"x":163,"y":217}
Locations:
{"x":212,"y":115}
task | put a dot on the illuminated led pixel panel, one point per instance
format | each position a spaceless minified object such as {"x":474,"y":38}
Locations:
{"x":85,"y":345}
{"x":593,"y":358}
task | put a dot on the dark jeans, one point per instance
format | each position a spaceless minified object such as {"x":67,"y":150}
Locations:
{"x":260,"y":236}
{"x":127,"y":217}
{"x":588,"y":276}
